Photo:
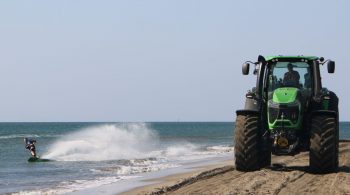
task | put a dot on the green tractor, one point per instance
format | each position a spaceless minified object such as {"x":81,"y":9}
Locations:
{"x":288,"y":111}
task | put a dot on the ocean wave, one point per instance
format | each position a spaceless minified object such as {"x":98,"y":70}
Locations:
{"x":170,"y":157}
{"x":180,"y":150}
{"x":132,"y":170}
{"x":67,"y":187}
{"x":200,"y":153}
{"x":136,"y":166}
{"x":221,"y":148}
{"x":15,"y":136}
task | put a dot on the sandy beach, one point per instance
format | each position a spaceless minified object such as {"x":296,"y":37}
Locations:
{"x":287,"y":175}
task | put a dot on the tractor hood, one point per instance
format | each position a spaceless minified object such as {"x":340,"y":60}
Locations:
{"x":285,"y":95}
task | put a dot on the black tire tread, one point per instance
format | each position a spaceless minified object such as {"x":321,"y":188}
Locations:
{"x":323,"y":144}
{"x":247,"y":143}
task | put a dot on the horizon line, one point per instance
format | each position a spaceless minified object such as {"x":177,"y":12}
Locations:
{"x":121,"y":121}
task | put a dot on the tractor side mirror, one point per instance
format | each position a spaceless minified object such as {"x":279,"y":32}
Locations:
{"x":245,"y":68}
{"x":331,"y":66}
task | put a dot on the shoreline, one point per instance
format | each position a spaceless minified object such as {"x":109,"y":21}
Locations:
{"x":151,"y":180}
{"x":172,"y":182}
{"x":287,"y":174}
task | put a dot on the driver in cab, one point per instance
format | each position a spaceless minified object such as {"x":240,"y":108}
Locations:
{"x":291,"y":75}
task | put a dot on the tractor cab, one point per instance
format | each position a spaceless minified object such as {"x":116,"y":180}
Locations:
{"x":289,"y":90}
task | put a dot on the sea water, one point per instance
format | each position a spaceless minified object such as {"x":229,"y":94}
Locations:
{"x":88,"y":155}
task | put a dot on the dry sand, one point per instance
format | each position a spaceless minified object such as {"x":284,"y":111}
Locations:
{"x":287,"y":175}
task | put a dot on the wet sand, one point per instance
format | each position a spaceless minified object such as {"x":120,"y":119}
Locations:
{"x":287,"y":175}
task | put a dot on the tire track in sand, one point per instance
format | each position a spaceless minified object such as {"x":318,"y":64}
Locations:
{"x":287,"y":175}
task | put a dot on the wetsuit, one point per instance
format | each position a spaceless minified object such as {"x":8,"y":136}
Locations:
{"x":30,"y":146}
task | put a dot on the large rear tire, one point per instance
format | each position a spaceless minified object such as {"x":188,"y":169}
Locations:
{"x":247,"y":143}
{"x":324,"y":144}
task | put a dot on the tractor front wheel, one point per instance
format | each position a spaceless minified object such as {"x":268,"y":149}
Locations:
{"x":247,"y":143}
{"x":324,"y":144}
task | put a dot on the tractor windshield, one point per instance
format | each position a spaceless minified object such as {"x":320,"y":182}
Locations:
{"x":289,"y":74}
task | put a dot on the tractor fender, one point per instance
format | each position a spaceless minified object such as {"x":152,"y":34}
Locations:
{"x":251,"y":104}
{"x":334,"y":101}
{"x":247,"y":112}
{"x":325,"y":112}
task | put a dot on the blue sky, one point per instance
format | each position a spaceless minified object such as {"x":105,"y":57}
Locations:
{"x":155,"y":60}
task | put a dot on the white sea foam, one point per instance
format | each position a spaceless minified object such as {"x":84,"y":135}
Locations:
{"x":67,"y":187}
{"x":106,"y":142}
{"x":138,"y":166}
{"x":115,"y":142}
{"x":180,"y":150}
{"x":194,"y":153}
{"x":131,"y":170}
{"x":220,"y":149}
{"x":12,"y":136}
{"x":135,"y":147}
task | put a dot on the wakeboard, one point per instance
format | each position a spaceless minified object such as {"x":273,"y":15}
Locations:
{"x":36,"y":159}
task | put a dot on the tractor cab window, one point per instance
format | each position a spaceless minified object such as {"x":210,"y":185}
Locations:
{"x":289,"y":74}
